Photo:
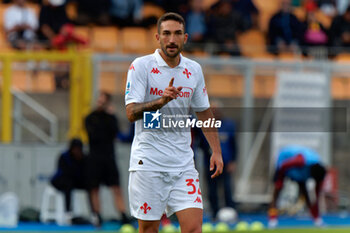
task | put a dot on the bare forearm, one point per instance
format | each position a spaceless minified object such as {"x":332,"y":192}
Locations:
{"x":48,"y":32}
{"x":211,"y":134}
{"x":134,"y":111}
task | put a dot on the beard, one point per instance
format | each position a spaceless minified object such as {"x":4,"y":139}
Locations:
{"x":172,"y":54}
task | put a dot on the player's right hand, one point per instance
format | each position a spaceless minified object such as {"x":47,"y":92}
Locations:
{"x":171,"y":92}
{"x":216,"y":164}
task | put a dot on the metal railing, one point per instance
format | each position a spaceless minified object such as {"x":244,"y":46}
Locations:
{"x":20,"y":98}
{"x":80,"y":86}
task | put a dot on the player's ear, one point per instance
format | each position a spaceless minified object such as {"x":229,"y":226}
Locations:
{"x":157,"y":37}
{"x":186,"y":37}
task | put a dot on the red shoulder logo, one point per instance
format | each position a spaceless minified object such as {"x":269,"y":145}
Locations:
{"x":187,"y":73}
{"x":132,"y":67}
{"x":155,"y":71}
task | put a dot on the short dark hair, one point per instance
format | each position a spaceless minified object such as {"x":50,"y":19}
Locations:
{"x":170,"y":16}
{"x":75,"y":142}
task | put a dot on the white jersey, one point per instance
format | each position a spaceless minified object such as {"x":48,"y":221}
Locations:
{"x":16,"y":15}
{"x":160,"y":149}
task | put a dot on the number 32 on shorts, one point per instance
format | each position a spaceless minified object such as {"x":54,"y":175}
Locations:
{"x":193,"y":185}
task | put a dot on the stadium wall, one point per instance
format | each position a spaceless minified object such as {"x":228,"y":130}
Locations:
{"x":26,"y":169}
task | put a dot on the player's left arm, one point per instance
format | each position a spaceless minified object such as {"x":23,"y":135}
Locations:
{"x":212,"y":137}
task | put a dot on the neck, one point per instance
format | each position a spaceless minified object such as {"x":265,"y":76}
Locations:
{"x":171,"y":61}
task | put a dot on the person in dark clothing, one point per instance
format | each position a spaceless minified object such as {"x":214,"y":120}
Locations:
{"x":339,"y":33}
{"x":285,"y":30}
{"x":55,"y":28}
{"x":70,"y":172}
{"x":102,"y":129}
{"x":249,"y":13}
{"x":224,"y":24}
{"x":52,"y":18}
{"x":56,"y":31}
{"x":92,"y":11}
{"x":229,"y":153}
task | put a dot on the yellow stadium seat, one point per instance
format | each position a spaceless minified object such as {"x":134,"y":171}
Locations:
{"x":208,"y":3}
{"x":199,"y":53}
{"x":108,"y":82}
{"x":253,"y":44}
{"x":266,"y":9}
{"x":149,"y":10}
{"x":224,"y":85}
{"x":20,"y":80}
{"x":104,"y":39}
{"x":35,"y":7}
{"x":3,"y":41}
{"x":83,"y":31}
{"x":43,"y":81}
{"x":342,"y":58}
{"x":340,"y":87}
{"x":264,"y":86}
{"x":136,"y":40}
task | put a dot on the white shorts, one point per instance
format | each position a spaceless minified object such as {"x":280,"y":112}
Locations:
{"x":153,"y":193}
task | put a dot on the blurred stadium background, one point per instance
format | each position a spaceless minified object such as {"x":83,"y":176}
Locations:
{"x":39,"y":115}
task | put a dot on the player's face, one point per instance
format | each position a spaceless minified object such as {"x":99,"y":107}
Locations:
{"x":102,"y":101}
{"x":171,"y":38}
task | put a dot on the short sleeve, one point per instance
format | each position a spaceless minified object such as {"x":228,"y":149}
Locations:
{"x":136,"y":83}
{"x":200,"y":100}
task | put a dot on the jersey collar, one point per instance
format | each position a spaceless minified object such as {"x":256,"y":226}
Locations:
{"x":161,"y":61}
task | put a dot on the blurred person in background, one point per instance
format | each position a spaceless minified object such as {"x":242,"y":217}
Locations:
{"x":339,"y":33}
{"x":177,"y":6}
{"x":70,"y":173}
{"x":299,"y":164}
{"x":248,"y":11}
{"x":21,"y":23}
{"x":228,"y":143}
{"x":102,"y":128}
{"x":55,"y":27}
{"x":224,"y":24}
{"x":52,"y":19}
{"x":128,"y":13}
{"x":196,"y":24}
{"x":315,"y":34}
{"x":285,"y":30}
{"x":57,"y":32}
{"x":93,"y":12}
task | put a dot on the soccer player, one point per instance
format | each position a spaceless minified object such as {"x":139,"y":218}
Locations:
{"x":162,"y":173}
{"x":299,"y":164}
